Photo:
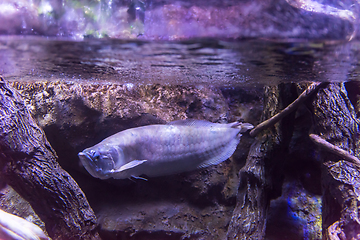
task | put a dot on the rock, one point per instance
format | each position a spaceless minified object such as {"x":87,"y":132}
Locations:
{"x":296,"y":214}
{"x":159,"y":20}
{"x":197,"y":205}
{"x":194,"y":205}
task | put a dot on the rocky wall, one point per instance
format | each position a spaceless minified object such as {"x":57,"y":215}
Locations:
{"x":194,"y":205}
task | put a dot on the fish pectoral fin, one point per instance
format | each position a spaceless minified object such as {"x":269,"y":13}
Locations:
{"x":138,"y":177}
{"x":129,"y":165}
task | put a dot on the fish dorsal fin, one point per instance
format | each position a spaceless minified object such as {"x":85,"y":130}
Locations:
{"x":192,"y":122}
{"x":129,"y":165}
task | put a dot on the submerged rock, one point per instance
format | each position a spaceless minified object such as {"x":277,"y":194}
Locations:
{"x":194,"y":205}
{"x":296,"y":214}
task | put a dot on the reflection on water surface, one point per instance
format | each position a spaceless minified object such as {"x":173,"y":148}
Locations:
{"x":238,"y":63}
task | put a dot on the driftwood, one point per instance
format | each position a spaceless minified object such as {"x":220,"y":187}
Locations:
{"x":286,"y":111}
{"x":335,"y":121}
{"x":29,"y":164}
{"x":334,"y":149}
{"x":261,"y":177}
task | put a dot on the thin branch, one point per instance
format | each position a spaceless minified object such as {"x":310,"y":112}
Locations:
{"x":290,"y":108}
{"x":333,"y":149}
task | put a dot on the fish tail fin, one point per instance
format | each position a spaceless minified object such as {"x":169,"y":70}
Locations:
{"x":244,"y":127}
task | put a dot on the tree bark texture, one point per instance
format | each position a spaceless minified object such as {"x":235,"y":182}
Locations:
{"x":29,"y":164}
{"x":335,"y":121}
{"x":261,"y":177}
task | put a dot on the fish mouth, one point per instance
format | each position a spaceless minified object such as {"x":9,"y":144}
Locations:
{"x":86,"y":160}
{"x":84,"y":156}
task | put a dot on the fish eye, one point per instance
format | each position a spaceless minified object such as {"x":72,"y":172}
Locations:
{"x":94,"y":154}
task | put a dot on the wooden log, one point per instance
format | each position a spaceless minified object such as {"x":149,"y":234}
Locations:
{"x":29,"y":164}
{"x":336,"y":122}
{"x":260,"y":178}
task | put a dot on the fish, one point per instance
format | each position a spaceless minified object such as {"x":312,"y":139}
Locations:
{"x":163,"y":149}
{"x":13,"y":227}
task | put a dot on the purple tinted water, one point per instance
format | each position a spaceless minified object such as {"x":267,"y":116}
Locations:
{"x":215,"y":62}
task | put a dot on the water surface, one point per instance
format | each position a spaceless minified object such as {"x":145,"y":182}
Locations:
{"x":196,"y":62}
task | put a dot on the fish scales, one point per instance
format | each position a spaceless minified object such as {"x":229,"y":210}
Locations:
{"x":162,"y":143}
{"x":157,"y":150}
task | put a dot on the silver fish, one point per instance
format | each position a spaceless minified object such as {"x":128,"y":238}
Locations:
{"x":159,"y":150}
{"x":16,"y":228}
